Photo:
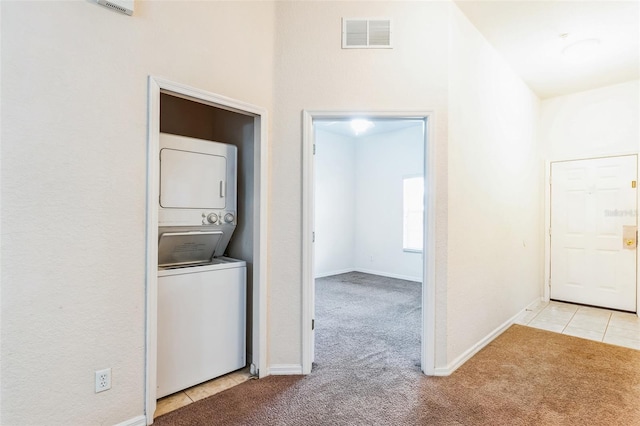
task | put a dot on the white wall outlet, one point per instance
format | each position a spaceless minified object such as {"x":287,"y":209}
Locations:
{"x":103,"y":380}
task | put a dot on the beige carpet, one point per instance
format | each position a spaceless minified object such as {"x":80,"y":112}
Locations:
{"x":524,"y":377}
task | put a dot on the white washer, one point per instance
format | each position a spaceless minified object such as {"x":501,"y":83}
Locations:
{"x":201,"y":323}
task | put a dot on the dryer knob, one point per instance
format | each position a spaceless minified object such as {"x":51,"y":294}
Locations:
{"x":212,"y":218}
{"x":229,"y":217}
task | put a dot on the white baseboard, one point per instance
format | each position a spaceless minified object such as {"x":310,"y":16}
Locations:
{"x":465,"y":356}
{"x":136,"y":421}
{"x":285,"y":369}
{"x":533,"y":304}
{"x":328,"y":274}
{"x":389,"y":274}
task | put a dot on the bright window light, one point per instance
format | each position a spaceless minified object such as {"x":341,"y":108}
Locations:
{"x":413,"y":212}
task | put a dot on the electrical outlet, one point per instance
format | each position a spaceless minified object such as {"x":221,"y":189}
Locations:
{"x":103,"y":380}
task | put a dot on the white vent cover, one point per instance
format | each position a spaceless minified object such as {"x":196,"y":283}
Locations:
{"x":366,"y":33}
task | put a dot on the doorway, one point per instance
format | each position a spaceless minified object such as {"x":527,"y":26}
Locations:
{"x":593,"y":231}
{"x":426,"y":273}
{"x":196,"y":113}
{"x":369,"y":210}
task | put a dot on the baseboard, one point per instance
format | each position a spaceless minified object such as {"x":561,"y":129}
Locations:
{"x":136,"y":421}
{"x":285,"y":369}
{"x":369,"y":271}
{"x":533,"y":304}
{"x":329,"y":274}
{"x":465,"y":356}
{"x":389,"y":275}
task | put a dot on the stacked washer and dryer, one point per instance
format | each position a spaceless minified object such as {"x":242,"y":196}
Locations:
{"x":201,"y":293}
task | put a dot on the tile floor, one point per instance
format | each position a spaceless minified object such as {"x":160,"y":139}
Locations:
{"x":602,"y":325}
{"x":201,"y":391}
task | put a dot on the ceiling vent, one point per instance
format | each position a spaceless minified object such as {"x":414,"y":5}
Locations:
{"x":366,"y":33}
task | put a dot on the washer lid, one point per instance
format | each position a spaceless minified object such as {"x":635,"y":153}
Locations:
{"x":186,"y":248}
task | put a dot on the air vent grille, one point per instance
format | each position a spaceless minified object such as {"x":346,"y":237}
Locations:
{"x":380,"y":33}
{"x":366,"y":33}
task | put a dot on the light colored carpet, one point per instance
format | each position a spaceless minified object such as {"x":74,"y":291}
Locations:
{"x":367,"y":374}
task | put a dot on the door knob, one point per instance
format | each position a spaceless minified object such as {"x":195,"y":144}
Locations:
{"x":629,"y":237}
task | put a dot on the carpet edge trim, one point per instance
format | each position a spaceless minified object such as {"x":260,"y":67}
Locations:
{"x":466,"y":355}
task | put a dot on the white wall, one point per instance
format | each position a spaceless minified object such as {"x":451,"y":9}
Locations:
{"x":74,"y":135}
{"x":383,"y":160}
{"x":335,"y":200}
{"x":313,"y":72}
{"x":593,"y":123}
{"x":495,"y":192}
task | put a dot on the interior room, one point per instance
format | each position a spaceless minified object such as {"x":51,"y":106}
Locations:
{"x":529,"y":224}
{"x":368,"y":227}
{"x":363,"y":171}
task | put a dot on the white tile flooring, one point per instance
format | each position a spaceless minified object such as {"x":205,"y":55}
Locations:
{"x":602,"y":325}
{"x":180,"y":399}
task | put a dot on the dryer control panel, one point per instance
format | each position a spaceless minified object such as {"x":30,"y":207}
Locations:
{"x":219,"y":217}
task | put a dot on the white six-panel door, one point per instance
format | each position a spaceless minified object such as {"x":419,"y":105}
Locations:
{"x":593,"y":232}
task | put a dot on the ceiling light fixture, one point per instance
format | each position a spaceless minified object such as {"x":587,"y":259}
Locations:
{"x":360,"y":125}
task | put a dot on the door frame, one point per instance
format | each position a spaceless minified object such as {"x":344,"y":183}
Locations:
{"x":156,"y":86}
{"x":547,"y":222}
{"x":428,"y":341}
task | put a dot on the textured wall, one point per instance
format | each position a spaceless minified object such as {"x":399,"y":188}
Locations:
{"x":593,"y":123}
{"x":74,"y":128}
{"x":495,"y":192}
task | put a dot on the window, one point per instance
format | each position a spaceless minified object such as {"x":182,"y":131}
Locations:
{"x":413,"y":209}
